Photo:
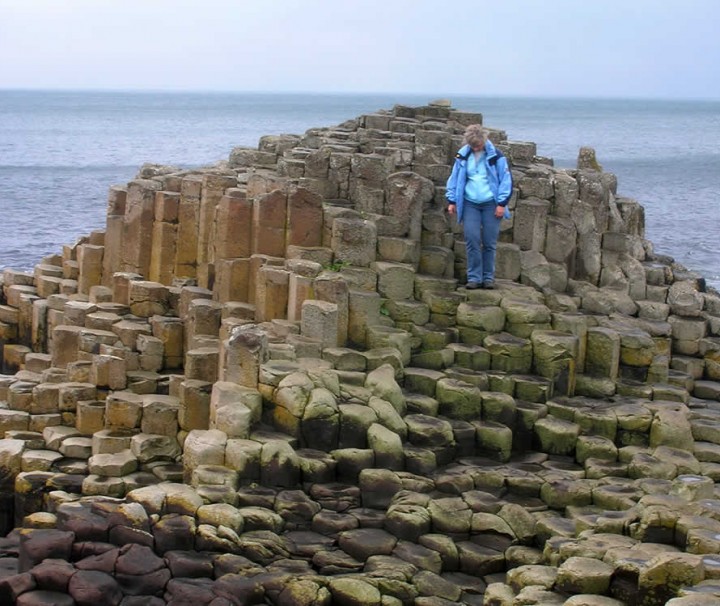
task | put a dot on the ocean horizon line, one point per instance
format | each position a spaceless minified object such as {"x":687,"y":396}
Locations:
{"x":430,"y":96}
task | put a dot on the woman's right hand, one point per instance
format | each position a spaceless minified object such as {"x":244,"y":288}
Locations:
{"x":451,"y":209}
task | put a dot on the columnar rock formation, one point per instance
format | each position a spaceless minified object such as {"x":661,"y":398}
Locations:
{"x":264,"y":382}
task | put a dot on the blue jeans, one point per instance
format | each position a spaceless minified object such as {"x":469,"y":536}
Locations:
{"x":481,"y":228}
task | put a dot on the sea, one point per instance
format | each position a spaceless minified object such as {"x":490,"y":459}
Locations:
{"x":60,"y":151}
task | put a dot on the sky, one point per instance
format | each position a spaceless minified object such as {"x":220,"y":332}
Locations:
{"x":553,"y":48}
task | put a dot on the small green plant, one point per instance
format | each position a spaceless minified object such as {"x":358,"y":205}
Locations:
{"x":337,"y":265}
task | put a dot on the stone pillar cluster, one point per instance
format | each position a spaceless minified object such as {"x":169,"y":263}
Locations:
{"x":273,"y":361}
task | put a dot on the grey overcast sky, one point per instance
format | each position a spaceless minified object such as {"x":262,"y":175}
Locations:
{"x":587,"y":48}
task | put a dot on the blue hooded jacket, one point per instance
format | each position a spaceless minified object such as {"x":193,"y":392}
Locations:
{"x":498,"y":173}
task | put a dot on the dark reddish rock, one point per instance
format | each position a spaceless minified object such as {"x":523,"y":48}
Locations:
{"x":152,"y":583}
{"x":142,"y":600}
{"x":174,"y":532}
{"x":198,"y":592}
{"x":86,"y":525}
{"x":331,"y":523}
{"x":365,"y":542}
{"x":305,"y":544}
{"x":44,"y":598}
{"x":257,"y":496}
{"x":53,"y":575}
{"x":295,"y":507}
{"x":85,"y":549}
{"x":189,"y":564}
{"x":40,"y":544}
{"x":137,"y":559}
{"x":91,"y":588}
{"x":335,"y":496}
{"x":140,"y":572}
{"x":122,"y":535}
{"x":14,"y":585}
{"x":103,"y":562}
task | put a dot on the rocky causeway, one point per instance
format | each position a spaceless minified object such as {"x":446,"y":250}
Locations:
{"x":264,"y":382}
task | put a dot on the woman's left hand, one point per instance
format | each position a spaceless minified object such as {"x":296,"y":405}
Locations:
{"x":499,"y":212}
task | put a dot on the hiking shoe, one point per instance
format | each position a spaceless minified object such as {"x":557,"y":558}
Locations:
{"x":488,"y":285}
{"x":473,"y":285}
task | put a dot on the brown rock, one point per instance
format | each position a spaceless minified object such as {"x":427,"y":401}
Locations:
{"x":90,"y":588}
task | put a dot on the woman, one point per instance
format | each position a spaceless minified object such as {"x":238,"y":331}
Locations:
{"x":478,"y":192}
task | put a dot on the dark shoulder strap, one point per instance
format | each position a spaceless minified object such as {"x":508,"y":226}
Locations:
{"x":498,"y":154}
{"x":460,"y":156}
